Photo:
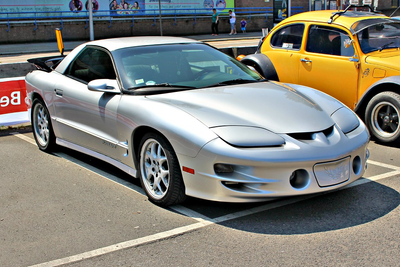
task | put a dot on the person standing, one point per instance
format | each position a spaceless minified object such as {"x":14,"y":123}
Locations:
{"x":243,"y":24}
{"x":215,"y":21}
{"x":232,"y":21}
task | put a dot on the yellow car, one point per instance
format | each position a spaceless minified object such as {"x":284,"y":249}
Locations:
{"x":352,"y":56}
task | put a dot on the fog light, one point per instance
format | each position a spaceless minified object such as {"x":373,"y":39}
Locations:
{"x":357,"y":165}
{"x":299,"y":179}
{"x":223,"y":168}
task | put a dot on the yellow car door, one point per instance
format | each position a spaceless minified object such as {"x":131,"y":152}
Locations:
{"x":330,"y":63}
{"x":284,"y":49}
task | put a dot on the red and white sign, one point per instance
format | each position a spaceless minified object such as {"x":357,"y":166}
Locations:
{"x":12,"y":101}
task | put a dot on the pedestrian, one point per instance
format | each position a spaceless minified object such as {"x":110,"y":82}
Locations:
{"x":215,"y":21}
{"x":232,"y":21}
{"x":243,"y":24}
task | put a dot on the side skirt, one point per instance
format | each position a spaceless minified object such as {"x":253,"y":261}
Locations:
{"x":129,"y":170}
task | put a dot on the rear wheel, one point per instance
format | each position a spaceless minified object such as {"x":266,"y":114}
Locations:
{"x":382,"y":117}
{"x":160,"y":173}
{"x":42,"y":128}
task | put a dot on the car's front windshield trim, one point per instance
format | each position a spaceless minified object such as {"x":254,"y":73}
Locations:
{"x":361,"y":25}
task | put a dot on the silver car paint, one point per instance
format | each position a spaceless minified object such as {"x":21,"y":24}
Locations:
{"x":184,"y":118}
{"x":236,"y":105}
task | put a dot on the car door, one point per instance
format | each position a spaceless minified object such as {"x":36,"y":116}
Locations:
{"x":284,"y":51}
{"x":88,"y":118}
{"x":330,"y":63}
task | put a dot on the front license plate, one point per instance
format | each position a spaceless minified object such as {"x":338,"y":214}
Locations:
{"x":334,"y":172}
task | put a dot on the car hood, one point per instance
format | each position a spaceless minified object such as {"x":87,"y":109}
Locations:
{"x":272,"y":106}
{"x":385,"y":59}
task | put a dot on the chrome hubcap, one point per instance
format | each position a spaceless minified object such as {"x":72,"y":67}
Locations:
{"x":154,"y":168}
{"x":385,"y":119}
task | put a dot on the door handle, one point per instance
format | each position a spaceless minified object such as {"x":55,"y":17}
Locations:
{"x":305,"y":60}
{"x":58,"y":92}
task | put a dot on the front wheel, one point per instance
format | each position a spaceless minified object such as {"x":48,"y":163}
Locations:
{"x":382,"y":117}
{"x":42,"y":128}
{"x":159,"y":170}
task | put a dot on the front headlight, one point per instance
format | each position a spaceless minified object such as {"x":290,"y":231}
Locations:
{"x":245,"y":136}
{"x":345,"y":119}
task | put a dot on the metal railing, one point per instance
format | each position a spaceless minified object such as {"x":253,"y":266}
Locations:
{"x":36,"y":17}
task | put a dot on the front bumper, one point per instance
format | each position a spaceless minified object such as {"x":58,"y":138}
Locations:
{"x":259,"y":174}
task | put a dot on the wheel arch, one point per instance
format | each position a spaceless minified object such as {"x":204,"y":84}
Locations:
{"x":137,"y":136}
{"x":36,"y":95}
{"x":391,"y":84}
{"x":262,"y":64}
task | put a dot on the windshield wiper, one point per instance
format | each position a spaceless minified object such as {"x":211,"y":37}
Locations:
{"x":163,"y":85}
{"x":235,"y":81}
{"x":386,"y":46}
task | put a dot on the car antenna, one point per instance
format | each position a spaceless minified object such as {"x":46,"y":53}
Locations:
{"x":60,"y":43}
{"x":355,"y":3}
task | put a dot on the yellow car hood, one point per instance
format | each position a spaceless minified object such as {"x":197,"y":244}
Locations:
{"x":389,"y":60}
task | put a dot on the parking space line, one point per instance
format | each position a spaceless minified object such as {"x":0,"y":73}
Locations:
{"x":384,"y":165}
{"x":25,"y":138}
{"x":125,"y":245}
{"x":203,"y":221}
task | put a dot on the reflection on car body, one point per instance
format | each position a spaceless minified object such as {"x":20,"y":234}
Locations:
{"x":187,"y":119}
{"x":351,"y":55}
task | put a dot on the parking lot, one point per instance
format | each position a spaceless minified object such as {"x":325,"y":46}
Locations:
{"x":67,"y":208}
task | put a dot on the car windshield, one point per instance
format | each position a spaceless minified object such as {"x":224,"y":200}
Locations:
{"x":179,"y":67}
{"x":379,"y":37}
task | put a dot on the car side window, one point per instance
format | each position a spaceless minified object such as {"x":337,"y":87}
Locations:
{"x":329,"y":40}
{"x":289,"y":37}
{"x":92,"y":64}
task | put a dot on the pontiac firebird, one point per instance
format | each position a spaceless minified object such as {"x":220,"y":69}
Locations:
{"x":188,"y":120}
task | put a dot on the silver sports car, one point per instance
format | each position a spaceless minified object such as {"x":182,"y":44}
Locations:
{"x":188,"y":120}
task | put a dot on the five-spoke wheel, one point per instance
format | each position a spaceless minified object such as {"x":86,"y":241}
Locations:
{"x":160,"y":174}
{"x":42,"y":129}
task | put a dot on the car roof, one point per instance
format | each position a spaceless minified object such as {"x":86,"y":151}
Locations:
{"x":113,"y":44}
{"x":346,"y":19}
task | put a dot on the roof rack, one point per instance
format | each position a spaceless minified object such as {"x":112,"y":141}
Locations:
{"x":356,"y":3}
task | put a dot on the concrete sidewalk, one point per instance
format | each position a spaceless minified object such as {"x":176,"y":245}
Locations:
{"x":13,"y":57}
{"x":32,"y":48}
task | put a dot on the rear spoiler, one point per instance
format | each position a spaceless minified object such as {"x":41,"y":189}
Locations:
{"x":46,"y":63}
{"x":49,"y":63}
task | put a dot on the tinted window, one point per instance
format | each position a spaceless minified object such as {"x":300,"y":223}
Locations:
{"x":195,"y":65}
{"x":289,"y":37}
{"x":379,"y":37}
{"x":328,"y":40}
{"x":92,"y":64}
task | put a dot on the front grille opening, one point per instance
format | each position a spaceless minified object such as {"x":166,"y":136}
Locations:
{"x":309,"y":136}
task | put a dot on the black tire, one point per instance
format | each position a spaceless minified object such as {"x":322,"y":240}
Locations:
{"x":382,"y":117}
{"x":263,"y":65}
{"x":42,"y":127}
{"x":159,"y":171}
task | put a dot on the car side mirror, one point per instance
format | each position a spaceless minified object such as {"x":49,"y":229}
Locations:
{"x":104,"y":85}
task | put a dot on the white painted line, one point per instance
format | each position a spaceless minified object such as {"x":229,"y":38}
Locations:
{"x":104,"y":174}
{"x":183,"y":210}
{"x":203,"y":221}
{"x":124,"y":245}
{"x":25,"y":138}
{"x":384,"y":165}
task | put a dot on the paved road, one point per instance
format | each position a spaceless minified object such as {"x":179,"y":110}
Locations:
{"x":70,"y":209}
{"x":67,"y":208}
